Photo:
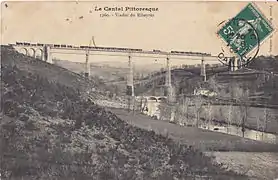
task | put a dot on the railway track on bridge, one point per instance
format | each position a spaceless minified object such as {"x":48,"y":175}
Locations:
{"x":128,"y":51}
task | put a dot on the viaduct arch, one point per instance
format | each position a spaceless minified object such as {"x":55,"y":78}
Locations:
{"x":23,"y":51}
{"x":39,"y":54}
{"x":33,"y":52}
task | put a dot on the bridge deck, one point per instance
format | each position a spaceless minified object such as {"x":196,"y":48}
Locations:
{"x":121,"y":50}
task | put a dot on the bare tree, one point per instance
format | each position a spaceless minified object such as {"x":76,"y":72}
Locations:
{"x":164,"y":110}
{"x":262,"y":122}
{"x":181,"y":114}
{"x":259,"y":126}
{"x":209,"y":114}
{"x":241,"y":97}
{"x":198,"y":102}
{"x":176,"y":114}
{"x":230,"y":116}
{"x":213,"y":84}
{"x":244,"y":109}
{"x":236,"y":117}
{"x":185,"y":108}
{"x":173,"y":109}
{"x":266,"y":119}
{"x":226,"y":112}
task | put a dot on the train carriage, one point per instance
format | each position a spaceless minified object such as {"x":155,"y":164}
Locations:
{"x":19,"y":43}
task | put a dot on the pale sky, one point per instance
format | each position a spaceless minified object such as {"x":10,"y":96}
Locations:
{"x":184,"y":26}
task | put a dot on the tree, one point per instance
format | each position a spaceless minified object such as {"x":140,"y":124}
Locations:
{"x":244,"y":109}
{"x":185,"y":108}
{"x":164,"y":111}
{"x":241,"y":97}
{"x":267,"y":118}
{"x":209,"y":113}
{"x":213,"y":85}
{"x":181,"y":115}
{"x":198,"y":102}
{"x":229,"y":118}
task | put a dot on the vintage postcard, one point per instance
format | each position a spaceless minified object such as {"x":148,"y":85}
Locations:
{"x":139,"y":90}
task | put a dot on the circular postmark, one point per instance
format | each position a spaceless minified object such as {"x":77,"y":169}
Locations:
{"x":242,"y":41}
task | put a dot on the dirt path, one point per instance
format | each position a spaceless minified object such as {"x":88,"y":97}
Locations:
{"x":206,"y":140}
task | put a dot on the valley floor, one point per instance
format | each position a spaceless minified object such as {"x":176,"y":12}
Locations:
{"x":234,"y":153}
{"x":200,"y":138}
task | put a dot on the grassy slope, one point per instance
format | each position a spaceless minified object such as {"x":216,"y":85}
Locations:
{"x":53,"y":73}
{"x":49,"y":132}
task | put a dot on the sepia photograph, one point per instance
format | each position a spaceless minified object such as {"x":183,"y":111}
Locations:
{"x":139,"y":90}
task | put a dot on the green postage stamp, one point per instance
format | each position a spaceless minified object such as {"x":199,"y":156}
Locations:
{"x":246,"y":30}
